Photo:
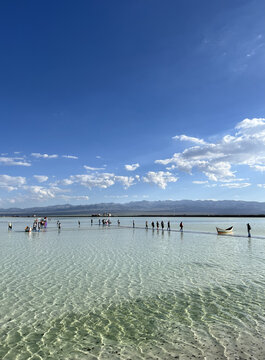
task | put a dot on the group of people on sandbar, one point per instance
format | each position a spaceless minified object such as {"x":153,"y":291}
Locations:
{"x":162,"y":224}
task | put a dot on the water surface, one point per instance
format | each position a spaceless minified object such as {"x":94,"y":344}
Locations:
{"x":120,"y":293}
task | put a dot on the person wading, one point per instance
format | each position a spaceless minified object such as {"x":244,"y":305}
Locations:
{"x":181,"y":226}
{"x":248,"y":229}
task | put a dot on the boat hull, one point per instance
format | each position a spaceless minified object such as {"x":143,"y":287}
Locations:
{"x":224,"y":231}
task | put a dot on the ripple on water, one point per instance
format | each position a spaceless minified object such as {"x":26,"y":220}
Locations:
{"x":130,"y":295}
{"x":200,"y":324}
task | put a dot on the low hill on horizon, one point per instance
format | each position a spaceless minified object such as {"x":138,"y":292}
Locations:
{"x":165,"y":207}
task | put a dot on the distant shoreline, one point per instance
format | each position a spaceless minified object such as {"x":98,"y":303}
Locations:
{"x":135,"y":215}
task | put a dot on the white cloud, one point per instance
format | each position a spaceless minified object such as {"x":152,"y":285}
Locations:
{"x":211,"y":185}
{"x":13,"y":161}
{"x":41,"y":178}
{"x":245,"y":147}
{"x":71,"y":197}
{"x":131,"y":167}
{"x":189,"y":138}
{"x":247,"y":124}
{"x":198,"y":182}
{"x":126,"y":181}
{"x":42,"y":193}
{"x":261,"y":185}
{"x":235,"y":185}
{"x":116,"y":196}
{"x":11,"y":183}
{"x":44,"y":156}
{"x":259,"y":167}
{"x":67,"y":182}
{"x":98,"y":157}
{"x":160,"y":178}
{"x":70,"y":157}
{"x":172,"y":167}
{"x":90,"y":168}
{"x":100,"y":180}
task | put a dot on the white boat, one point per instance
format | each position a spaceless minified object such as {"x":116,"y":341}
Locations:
{"x":224,"y":231}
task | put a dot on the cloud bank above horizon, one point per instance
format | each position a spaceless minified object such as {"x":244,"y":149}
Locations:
{"x":216,"y":166}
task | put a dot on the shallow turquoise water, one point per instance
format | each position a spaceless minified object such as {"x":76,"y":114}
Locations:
{"x":120,"y":293}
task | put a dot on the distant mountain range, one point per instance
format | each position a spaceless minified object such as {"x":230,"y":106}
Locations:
{"x":137,"y":208}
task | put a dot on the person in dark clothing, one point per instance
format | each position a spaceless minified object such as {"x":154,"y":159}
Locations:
{"x":133,"y":224}
{"x":153,"y":225}
{"x":248,"y":228}
{"x":168,"y":225}
{"x":181,"y":226}
{"x":157,"y":225}
{"x":162,"y":225}
{"x":146,"y":225}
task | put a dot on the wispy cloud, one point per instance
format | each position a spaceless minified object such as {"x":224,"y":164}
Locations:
{"x":235,"y":185}
{"x":44,"y":156}
{"x":90,"y":168}
{"x":10,"y":161}
{"x":41,"y":193}
{"x":189,"y":138}
{"x":198,"y":182}
{"x":99,"y":180}
{"x":41,"y":178}
{"x":131,"y":167}
{"x":70,"y":157}
{"x":74,"y":197}
{"x":11,"y":183}
{"x":235,"y":47}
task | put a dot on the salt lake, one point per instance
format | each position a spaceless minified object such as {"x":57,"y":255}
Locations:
{"x":110,"y":292}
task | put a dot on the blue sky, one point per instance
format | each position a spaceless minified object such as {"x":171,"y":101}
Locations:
{"x":116,"y":101}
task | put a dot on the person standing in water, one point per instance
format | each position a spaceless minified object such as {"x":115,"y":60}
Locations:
{"x":78,"y":223}
{"x":162,"y":225}
{"x":157,"y":225}
{"x":168,"y":225}
{"x":133,"y":224}
{"x":248,"y":228}
{"x":146,"y":225}
{"x":153,"y":225}
{"x":181,"y":226}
